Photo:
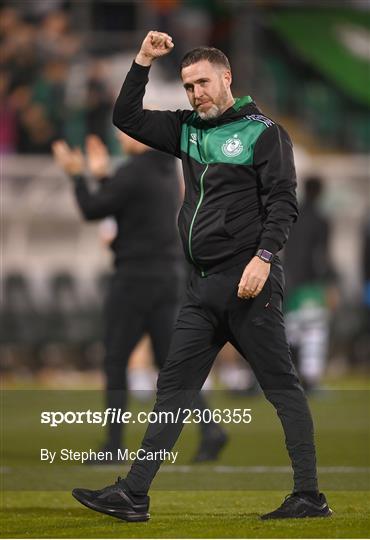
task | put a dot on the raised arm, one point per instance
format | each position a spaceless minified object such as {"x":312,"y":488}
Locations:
{"x":158,"y":129}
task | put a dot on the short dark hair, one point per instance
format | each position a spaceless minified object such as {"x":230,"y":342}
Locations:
{"x":213,"y":55}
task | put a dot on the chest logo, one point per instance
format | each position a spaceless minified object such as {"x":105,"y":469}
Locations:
{"x":232,"y":147}
{"x":193,"y":138}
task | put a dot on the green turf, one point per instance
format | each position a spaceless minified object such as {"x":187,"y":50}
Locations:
{"x":182,"y":515}
{"x":189,"y":503}
{"x":342,"y":436}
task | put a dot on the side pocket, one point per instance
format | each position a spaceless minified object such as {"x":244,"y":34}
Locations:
{"x":277,"y":281}
{"x":261,"y":308}
{"x":268,"y":293}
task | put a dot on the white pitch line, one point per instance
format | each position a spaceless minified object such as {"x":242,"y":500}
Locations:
{"x":230,"y":469}
{"x":218,"y":469}
{"x":259,"y":469}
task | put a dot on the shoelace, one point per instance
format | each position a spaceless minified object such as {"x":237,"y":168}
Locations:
{"x":288,"y":501}
{"x":112,"y":487}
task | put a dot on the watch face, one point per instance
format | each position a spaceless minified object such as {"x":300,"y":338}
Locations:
{"x":265,"y":255}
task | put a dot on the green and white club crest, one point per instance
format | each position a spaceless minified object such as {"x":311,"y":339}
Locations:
{"x":232,"y":147}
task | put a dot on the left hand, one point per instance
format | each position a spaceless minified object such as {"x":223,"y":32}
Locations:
{"x":254,"y":278}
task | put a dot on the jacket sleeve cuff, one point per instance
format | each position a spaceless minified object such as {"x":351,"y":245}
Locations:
{"x":139,"y":70}
{"x":270,"y":245}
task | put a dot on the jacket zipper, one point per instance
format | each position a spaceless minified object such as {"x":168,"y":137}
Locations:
{"x":203,"y":274}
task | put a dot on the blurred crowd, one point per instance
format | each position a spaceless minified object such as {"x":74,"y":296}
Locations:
{"x":34,"y":64}
{"x":56,"y":72}
{"x":35,"y":82}
{"x":56,"y":83}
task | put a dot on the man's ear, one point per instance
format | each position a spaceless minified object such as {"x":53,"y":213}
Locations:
{"x":227,"y":77}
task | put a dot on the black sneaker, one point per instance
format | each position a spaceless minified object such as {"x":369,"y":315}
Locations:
{"x":114,"y":501}
{"x":210,"y":447}
{"x":300,"y":506}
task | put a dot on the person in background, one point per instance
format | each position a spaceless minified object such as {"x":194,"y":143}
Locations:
{"x":311,"y":291}
{"x":143,"y":196}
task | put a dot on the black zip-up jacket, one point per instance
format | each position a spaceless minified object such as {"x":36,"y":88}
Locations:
{"x":143,"y":196}
{"x":239,"y":174}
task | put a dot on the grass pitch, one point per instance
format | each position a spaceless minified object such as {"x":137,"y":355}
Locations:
{"x":186,"y":514}
{"x":204,"y":501}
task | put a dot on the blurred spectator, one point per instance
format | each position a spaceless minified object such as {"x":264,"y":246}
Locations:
{"x":143,"y":195}
{"x":35,"y":66}
{"x":359,"y":346}
{"x":35,"y":10}
{"x":311,"y":291}
{"x":8,"y":132}
{"x":55,"y":38}
{"x":18,"y":44}
{"x":366,"y":259}
{"x":99,"y":101}
{"x":36,"y":132}
{"x":49,"y":93}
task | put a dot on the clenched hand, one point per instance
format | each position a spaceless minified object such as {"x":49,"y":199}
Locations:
{"x":155,"y":44}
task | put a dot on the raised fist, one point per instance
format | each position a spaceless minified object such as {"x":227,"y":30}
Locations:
{"x":155,"y":44}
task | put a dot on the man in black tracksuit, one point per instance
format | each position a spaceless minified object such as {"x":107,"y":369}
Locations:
{"x":143,"y":195}
{"x":239,"y":205}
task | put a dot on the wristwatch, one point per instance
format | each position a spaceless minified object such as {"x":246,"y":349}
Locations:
{"x":265,"y":255}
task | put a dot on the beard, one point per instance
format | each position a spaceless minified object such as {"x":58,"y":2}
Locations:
{"x":213,"y":112}
{"x":218,"y":107}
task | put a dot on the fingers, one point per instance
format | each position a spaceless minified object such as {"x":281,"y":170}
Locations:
{"x":250,"y":287}
{"x":159,"y":39}
{"x":155,"y":45}
{"x":72,"y":161}
{"x":247,"y":286}
{"x":60,"y":147}
{"x":61,"y":151}
{"x":249,"y":291}
{"x":95,"y":145}
{"x":254,"y":278}
{"x":92,"y":140}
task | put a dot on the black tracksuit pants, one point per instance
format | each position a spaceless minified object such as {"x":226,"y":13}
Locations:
{"x":211,"y":315}
{"x":138,"y":304}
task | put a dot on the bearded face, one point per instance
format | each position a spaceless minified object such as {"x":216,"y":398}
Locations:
{"x":208,"y":88}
